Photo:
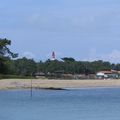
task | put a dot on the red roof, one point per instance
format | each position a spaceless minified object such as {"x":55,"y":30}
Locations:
{"x":106,"y":72}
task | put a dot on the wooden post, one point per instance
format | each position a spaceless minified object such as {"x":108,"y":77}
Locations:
{"x":31,"y":91}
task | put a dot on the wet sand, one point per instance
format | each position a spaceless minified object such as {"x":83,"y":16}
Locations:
{"x":46,"y":84}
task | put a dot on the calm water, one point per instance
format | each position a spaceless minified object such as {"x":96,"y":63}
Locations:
{"x":83,"y":104}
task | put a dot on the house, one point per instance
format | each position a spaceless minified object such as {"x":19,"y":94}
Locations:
{"x":39,"y":75}
{"x":107,"y":74}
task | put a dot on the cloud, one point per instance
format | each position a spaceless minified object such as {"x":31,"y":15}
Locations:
{"x":34,"y":18}
{"x":113,"y":56}
{"x":61,"y":20}
{"x":85,"y":20}
{"x":28,"y":55}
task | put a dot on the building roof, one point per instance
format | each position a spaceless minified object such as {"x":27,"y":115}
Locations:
{"x":107,"y":72}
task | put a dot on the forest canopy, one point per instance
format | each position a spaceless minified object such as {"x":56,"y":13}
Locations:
{"x":68,"y":65}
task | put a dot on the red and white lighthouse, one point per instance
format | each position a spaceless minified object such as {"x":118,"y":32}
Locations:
{"x":53,"y":55}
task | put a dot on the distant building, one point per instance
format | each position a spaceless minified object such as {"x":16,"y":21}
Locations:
{"x":39,"y":75}
{"x":107,"y":74}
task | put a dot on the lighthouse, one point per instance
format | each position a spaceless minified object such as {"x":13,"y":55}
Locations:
{"x":53,"y":56}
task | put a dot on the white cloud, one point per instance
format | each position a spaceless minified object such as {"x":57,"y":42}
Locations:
{"x":28,"y":55}
{"x":92,"y":55}
{"x":33,"y":18}
{"x":113,"y":56}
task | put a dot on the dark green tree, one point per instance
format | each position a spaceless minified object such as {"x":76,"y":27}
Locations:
{"x":68,"y":59}
{"x":25,"y":66}
{"x":4,"y":50}
{"x":5,"y":54}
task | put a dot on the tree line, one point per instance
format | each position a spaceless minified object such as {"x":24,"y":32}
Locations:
{"x":27,"y":67}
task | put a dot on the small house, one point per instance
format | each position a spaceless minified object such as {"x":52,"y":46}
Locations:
{"x":39,"y":75}
{"x":107,"y":74}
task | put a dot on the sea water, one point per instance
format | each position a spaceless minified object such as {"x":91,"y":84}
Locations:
{"x":82,"y":104}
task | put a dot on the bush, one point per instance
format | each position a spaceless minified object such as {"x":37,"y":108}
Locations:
{"x":2,"y":76}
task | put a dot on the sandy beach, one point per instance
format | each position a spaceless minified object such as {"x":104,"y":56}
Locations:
{"x":44,"y":83}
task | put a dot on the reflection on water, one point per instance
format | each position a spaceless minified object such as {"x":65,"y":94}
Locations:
{"x":82,"y":104}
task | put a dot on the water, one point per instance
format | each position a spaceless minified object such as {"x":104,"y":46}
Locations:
{"x":82,"y":104}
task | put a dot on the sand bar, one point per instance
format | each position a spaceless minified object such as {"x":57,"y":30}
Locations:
{"x":45,"y":83}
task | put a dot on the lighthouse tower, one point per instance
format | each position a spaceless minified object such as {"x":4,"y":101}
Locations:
{"x":53,"y":56}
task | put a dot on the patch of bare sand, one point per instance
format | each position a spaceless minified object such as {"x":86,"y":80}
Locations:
{"x":45,"y":83}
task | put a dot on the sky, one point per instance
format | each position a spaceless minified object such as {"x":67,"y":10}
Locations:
{"x":82,"y":29}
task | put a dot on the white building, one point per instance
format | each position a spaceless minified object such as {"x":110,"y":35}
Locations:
{"x":107,"y":74}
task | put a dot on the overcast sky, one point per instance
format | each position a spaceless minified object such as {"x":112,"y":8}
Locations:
{"x":83,"y":29}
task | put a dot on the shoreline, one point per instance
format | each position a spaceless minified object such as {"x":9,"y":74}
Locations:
{"x":7,"y":84}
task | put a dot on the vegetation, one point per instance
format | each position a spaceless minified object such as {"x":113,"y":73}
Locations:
{"x":23,"y":67}
{"x":5,"y":55}
{"x":74,"y":67}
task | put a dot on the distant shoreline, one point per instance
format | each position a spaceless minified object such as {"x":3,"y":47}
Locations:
{"x":56,"y":84}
